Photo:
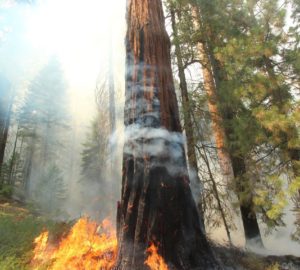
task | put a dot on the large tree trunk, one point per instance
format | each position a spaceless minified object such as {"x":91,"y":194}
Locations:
{"x":156,"y":201}
{"x":232,"y":167}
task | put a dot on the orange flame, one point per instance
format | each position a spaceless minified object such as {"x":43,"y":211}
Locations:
{"x":40,"y":246}
{"x":154,"y":260}
{"x":84,"y":248}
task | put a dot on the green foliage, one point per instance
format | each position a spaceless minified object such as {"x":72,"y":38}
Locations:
{"x":255,"y":61}
{"x":18,"y":229}
{"x":43,"y":114}
{"x":274,"y":266}
{"x":95,"y":154}
{"x":11,"y":171}
{"x":256,"y":90}
{"x":42,"y":123}
{"x":6,"y":191}
{"x":50,"y":191}
{"x":45,"y":100}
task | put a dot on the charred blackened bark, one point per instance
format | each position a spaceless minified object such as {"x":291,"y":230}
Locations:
{"x":156,"y":201}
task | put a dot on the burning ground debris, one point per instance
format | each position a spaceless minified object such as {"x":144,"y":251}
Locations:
{"x":82,"y":248}
{"x":89,"y":246}
{"x":86,"y":247}
{"x":26,"y":244}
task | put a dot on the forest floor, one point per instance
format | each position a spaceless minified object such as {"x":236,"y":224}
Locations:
{"x":237,"y":259}
{"x":20,"y":225}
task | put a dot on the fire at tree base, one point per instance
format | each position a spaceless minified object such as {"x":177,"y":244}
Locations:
{"x":87,"y":246}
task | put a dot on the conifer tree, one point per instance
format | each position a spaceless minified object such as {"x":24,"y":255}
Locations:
{"x":208,"y":35}
{"x":156,"y":201}
{"x":42,"y":119}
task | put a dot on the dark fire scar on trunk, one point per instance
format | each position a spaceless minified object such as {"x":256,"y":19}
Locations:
{"x":156,"y":201}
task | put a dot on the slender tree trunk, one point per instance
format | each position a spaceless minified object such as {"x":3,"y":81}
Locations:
{"x":216,"y":193}
{"x":231,"y":166}
{"x":294,"y":155}
{"x":46,"y":157}
{"x":6,"y":102}
{"x":112,"y":116}
{"x":13,"y":160}
{"x":188,"y":123}
{"x":250,"y":223}
{"x":156,"y":201}
{"x":216,"y":118}
{"x":111,"y":86}
{"x":3,"y":140}
{"x":29,"y":163}
{"x":112,"y":106}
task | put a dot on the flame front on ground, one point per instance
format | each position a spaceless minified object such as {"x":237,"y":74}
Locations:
{"x":154,"y":260}
{"x":40,"y":246}
{"x":82,"y":249}
{"x":86,"y":247}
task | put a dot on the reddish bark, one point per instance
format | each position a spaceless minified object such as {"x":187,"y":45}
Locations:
{"x":232,"y":167}
{"x":156,"y":201}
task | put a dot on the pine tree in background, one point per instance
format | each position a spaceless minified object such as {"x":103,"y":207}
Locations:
{"x":250,"y":64}
{"x":293,"y":58}
{"x":265,"y":88}
{"x":257,"y":89}
{"x":226,"y":110}
{"x":50,"y":191}
{"x":95,"y":168}
{"x":94,"y":154}
{"x":202,"y":41}
{"x":42,"y":121}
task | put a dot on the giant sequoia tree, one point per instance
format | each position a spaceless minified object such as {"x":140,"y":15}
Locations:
{"x":156,"y":201}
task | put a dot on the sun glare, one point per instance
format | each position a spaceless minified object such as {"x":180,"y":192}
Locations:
{"x":78,"y":32}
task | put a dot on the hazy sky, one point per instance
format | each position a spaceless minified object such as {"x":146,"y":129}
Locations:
{"x":77,"y":32}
